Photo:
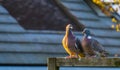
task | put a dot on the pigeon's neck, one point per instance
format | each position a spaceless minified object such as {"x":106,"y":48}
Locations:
{"x":69,"y":33}
{"x":88,"y":36}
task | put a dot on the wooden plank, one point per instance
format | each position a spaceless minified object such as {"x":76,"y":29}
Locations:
{"x":91,"y":62}
{"x":26,"y":58}
{"x":52,"y":64}
{"x":3,"y":10}
{"x":101,"y":62}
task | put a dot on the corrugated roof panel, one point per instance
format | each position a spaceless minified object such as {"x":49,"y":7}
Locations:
{"x":106,"y":33}
{"x":30,"y":48}
{"x":48,"y":38}
{"x":7,"y":19}
{"x":26,"y":58}
{"x":3,"y":10}
{"x":72,"y":1}
{"x":75,"y":6}
{"x":32,"y":38}
{"x":85,"y":15}
{"x":11,"y":28}
{"x":95,"y":24}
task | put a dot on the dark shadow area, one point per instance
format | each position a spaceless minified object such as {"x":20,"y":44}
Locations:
{"x":38,"y":14}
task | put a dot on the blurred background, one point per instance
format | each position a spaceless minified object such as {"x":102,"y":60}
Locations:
{"x":32,"y":30}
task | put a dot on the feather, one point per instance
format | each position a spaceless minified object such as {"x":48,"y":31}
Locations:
{"x":78,"y":45}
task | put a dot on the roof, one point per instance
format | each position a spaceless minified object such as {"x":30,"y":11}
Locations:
{"x":39,"y":14}
{"x":20,"y":46}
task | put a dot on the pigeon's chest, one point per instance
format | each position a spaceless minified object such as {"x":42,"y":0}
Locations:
{"x":70,"y":42}
{"x":86,"y":42}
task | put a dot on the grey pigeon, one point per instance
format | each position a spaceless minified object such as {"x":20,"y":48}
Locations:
{"x":91,"y":46}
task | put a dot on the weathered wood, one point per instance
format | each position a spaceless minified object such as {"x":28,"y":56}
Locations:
{"x":52,"y":64}
{"x":88,"y":62}
{"x":91,"y":62}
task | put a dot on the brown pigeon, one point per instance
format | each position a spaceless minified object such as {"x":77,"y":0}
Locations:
{"x":71,"y":44}
{"x":92,"y":47}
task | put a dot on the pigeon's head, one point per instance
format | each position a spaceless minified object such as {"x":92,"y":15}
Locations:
{"x":69,"y":27}
{"x":87,"y":32}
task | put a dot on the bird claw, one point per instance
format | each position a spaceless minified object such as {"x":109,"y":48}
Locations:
{"x":69,"y":57}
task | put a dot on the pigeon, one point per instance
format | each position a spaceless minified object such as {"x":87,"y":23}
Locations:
{"x":91,"y":46}
{"x":71,"y":44}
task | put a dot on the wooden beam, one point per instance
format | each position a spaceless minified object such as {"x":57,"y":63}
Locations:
{"x":52,"y":64}
{"x":55,"y":63}
{"x":88,"y":62}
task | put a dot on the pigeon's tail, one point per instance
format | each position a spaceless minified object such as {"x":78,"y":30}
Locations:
{"x":104,"y":54}
{"x":79,"y":46}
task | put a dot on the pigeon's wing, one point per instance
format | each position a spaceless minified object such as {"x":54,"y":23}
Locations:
{"x":78,"y":45}
{"x":97,"y":46}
